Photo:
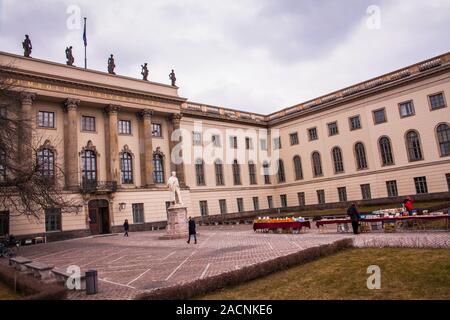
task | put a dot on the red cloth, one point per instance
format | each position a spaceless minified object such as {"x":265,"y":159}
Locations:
{"x":409,"y":204}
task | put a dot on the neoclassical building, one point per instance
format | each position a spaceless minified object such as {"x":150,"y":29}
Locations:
{"x":384,"y":138}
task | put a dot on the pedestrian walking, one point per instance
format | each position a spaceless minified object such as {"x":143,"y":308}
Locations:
{"x":126,"y":227}
{"x":354,"y":217}
{"x":192,"y":232}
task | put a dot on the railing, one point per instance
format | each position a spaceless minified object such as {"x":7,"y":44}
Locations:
{"x":94,"y":186}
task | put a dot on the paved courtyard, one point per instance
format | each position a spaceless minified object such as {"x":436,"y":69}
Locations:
{"x":141,"y":262}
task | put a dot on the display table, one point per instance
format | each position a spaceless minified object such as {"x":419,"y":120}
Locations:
{"x":295,"y":225}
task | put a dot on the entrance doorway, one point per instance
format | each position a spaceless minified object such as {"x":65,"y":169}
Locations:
{"x":99,"y":216}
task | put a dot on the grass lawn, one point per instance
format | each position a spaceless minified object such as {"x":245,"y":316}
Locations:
{"x":405,"y":274}
{"x":7,"y":293}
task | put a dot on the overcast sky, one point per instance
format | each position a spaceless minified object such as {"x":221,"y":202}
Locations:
{"x":254,"y":55}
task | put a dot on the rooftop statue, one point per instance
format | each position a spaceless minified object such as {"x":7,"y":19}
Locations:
{"x":172,"y":78}
{"x":111,"y":65}
{"x":27,"y":47}
{"x":69,"y":56}
{"x":144,"y":72}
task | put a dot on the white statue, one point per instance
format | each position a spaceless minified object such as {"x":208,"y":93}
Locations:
{"x":174,"y":188}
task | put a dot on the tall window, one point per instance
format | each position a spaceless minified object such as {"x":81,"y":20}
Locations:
{"x":215,"y":138}
{"x":89,"y":166}
{"x":2,"y":166}
{"x":316,"y":164}
{"x":255,"y":203}
{"x":88,"y":123}
{"x":447,"y":176}
{"x":218,"y":167}
{"x":252,"y":172}
{"x":263,"y":143}
{"x":360,"y":154}
{"x":46,"y":163}
{"x":138,"y":213}
{"x":320,"y":196}
{"x":283,"y":200}
{"x":413,"y":145}
{"x":46,"y":119}
{"x":203,"y":208}
{"x":333,"y":129}
{"x":236,"y":173}
{"x":312,"y":134}
{"x":298,"y":168}
{"x":421,"y":184}
{"x":248,"y":143}
{"x":124,"y":126}
{"x":126,"y":167}
{"x":197,"y":138}
{"x":294,"y":138}
{"x":386,"y":151}
{"x":280,"y":173}
{"x":443,"y":136}
{"x":379,"y":116}
{"x":200,"y":172}
{"x":233,"y":142}
{"x":437,"y":101}
{"x":406,"y":109}
{"x":158,"y":168}
{"x":301,"y":199}
{"x":365,"y":191}
{"x":240,"y":204}
{"x":337,"y":160}
{"x":276,"y":143}
{"x":156,"y":130}
{"x":266,"y":172}
{"x":4,"y":223}
{"x":355,"y":122}
{"x":223,"y":206}
{"x":270,"y":202}
{"x":391,"y":187}
{"x":52,"y":220}
{"x":342,"y":193}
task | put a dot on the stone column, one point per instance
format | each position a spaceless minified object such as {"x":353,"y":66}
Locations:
{"x":179,"y":168}
{"x":147,"y":148}
{"x":71,"y":143}
{"x":112,"y":143}
{"x":26,"y":129}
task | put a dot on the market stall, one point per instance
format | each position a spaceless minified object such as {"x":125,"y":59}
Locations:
{"x":280,"y":225}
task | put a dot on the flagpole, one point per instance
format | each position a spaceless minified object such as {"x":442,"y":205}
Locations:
{"x":85,"y":46}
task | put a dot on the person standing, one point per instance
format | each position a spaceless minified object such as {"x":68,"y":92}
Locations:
{"x":192,"y":231}
{"x":408,"y":203}
{"x":354,"y":217}
{"x":126,"y":227}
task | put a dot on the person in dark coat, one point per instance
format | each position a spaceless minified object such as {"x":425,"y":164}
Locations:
{"x":354,"y":217}
{"x":192,"y":232}
{"x":126,"y":227}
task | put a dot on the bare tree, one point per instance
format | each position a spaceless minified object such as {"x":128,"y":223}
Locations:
{"x":28,"y":184}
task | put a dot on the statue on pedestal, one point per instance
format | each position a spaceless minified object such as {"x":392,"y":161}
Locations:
{"x":144,"y":72}
{"x":27,"y":47}
{"x":174,"y":187}
{"x":111,"y":65}
{"x":69,"y":56}
{"x":172,"y":78}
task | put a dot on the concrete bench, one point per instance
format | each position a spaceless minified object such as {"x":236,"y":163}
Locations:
{"x":62,"y":276}
{"x":19,"y":263}
{"x":40,"y":270}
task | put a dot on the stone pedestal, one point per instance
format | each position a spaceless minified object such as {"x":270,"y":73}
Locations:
{"x":177,"y":226}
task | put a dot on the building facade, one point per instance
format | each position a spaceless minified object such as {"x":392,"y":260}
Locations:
{"x":118,"y":138}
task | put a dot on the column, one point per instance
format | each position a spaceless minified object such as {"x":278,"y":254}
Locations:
{"x":147,"y":147}
{"x":179,"y":168}
{"x":112,"y":143}
{"x":71,"y":143}
{"x":26,"y":129}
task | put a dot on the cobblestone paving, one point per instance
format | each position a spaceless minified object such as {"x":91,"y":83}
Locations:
{"x":129,"y":266}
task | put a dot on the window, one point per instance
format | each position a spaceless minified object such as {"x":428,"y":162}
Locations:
{"x":391,"y":187}
{"x":294,"y":138}
{"x":342,"y":193}
{"x":223,"y":206}
{"x":270,"y":202}
{"x":263,"y":143}
{"x":46,"y":119}
{"x":124,"y":126}
{"x":312,"y":134}
{"x":138,"y":213}
{"x":355,"y":122}
{"x":2,"y":166}
{"x":4,"y":223}
{"x":252,"y":172}
{"x":437,"y":101}
{"x":317,"y":164}
{"x":283,"y":199}
{"x":413,"y":146}
{"x":240,"y":204}
{"x":88,"y":123}
{"x":333,"y":129}
{"x":280,"y":173}
{"x":158,"y":168}
{"x":215,"y":138}
{"x":126,"y":168}
{"x":421,"y":184}
{"x":197,"y":138}
{"x":276,"y":143}
{"x":360,"y":154}
{"x":387,"y":158}
{"x":443,"y":136}
{"x":379,"y":116}
{"x":365,"y":191}
{"x":266,"y":172}
{"x":236,"y":173}
{"x":233,"y":142}
{"x":255,"y":203}
{"x":301,"y":199}
{"x":203,"y":208}
{"x":406,"y":109}
{"x":320,"y":196}
{"x":52,"y":220}
{"x":200,"y":172}
{"x":337,"y":160}
{"x":248,"y":143}
{"x":89,"y":166}
{"x":447,"y":176}
{"x":298,"y":168}
{"x":157,"y":130}
{"x":218,"y":167}
{"x":46,"y":163}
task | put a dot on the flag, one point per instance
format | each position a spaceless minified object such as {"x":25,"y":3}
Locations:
{"x":84,"y":34}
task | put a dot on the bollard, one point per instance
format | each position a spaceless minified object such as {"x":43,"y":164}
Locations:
{"x":91,"y":282}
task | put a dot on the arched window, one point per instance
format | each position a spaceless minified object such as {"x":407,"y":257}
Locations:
{"x":200,"y":172}
{"x":219,"y":172}
{"x":89,"y":166}
{"x":280,"y":173}
{"x":360,"y":154}
{"x":298,"y":168}
{"x":2,"y":166}
{"x":443,"y":136}
{"x":266,"y":171}
{"x":236,"y":173}
{"x":337,"y":160}
{"x":46,"y":163}
{"x":413,"y":146}
{"x":158,"y":168}
{"x":252,"y":172}
{"x":386,"y":151}
{"x":316,"y":164}
{"x":126,"y":167}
